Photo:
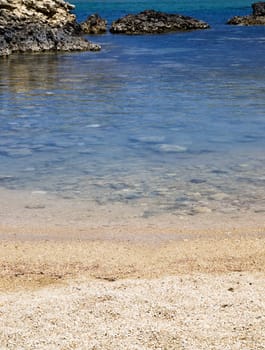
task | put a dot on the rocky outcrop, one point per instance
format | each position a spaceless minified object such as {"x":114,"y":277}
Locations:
{"x":258,"y":9}
{"x":155,"y":22}
{"x":94,"y":24}
{"x":257,"y":17}
{"x":39,"y":25}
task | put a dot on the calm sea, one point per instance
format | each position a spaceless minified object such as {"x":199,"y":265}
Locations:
{"x":175,"y":120}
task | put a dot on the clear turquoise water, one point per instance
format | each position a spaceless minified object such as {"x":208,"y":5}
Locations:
{"x":176,"y":120}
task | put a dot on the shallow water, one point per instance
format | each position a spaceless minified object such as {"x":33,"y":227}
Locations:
{"x":175,"y":121}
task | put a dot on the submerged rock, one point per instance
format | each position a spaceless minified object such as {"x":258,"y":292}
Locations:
{"x":94,"y":24}
{"x":153,"y":22}
{"x":39,"y":25}
{"x":257,"y":17}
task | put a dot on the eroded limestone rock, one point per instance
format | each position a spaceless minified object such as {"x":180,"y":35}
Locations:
{"x":39,"y":25}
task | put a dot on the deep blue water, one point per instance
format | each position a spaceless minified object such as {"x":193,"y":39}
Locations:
{"x":176,"y":120}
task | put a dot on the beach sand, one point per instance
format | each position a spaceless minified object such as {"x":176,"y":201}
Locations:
{"x":74,"y":277}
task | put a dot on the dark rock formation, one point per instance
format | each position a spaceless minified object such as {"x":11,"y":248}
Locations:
{"x":258,"y":9}
{"x":152,"y":22}
{"x":94,"y":24}
{"x":39,"y":25}
{"x":257,"y":17}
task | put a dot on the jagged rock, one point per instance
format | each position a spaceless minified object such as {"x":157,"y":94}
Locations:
{"x":39,"y":25}
{"x":257,"y":17}
{"x":94,"y":24}
{"x":150,"y":21}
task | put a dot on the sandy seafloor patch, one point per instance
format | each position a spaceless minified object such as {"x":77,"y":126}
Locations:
{"x":79,"y":277}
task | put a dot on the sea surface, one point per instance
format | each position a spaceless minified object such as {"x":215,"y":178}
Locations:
{"x":175,"y":121}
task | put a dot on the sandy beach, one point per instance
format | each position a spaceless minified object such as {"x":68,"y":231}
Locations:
{"x":132,"y":178}
{"x":69,"y":280}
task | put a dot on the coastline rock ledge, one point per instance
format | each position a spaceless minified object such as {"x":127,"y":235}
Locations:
{"x":257,"y":17}
{"x":40,"y":25}
{"x":155,"y":22}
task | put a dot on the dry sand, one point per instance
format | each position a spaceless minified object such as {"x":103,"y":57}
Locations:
{"x":115,"y":280}
{"x":197,"y":311}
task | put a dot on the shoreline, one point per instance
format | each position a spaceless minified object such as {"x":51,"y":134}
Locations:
{"x":39,"y":215}
{"x":45,"y":239}
{"x":112,"y":279}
